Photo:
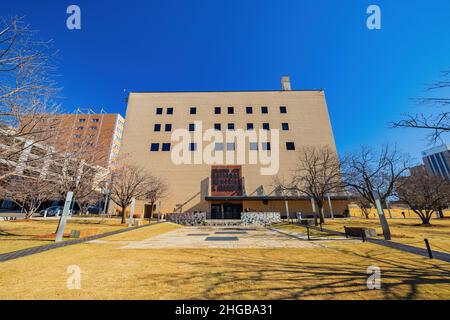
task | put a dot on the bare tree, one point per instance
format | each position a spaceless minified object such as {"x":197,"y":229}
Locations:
{"x":424,"y":194}
{"x":316,"y":175}
{"x":128,"y":182}
{"x":369,"y":173}
{"x":29,"y":193}
{"x":363,"y":204}
{"x":156,"y":190}
{"x":373,"y":175}
{"x":27,"y":90}
{"x":436,"y":123}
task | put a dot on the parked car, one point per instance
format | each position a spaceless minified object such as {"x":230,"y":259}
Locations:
{"x":51,"y":211}
{"x":94,"y":210}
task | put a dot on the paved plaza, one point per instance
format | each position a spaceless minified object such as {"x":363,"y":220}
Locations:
{"x":216,"y":237}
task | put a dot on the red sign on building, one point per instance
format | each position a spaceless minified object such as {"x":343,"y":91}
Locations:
{"x":226,"y":181}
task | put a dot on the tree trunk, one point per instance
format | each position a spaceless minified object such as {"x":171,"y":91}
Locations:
{"x":321,"y":214}
{"x":441,"y":214}
{"x":124,"y":215}
{"x":150,"y":218}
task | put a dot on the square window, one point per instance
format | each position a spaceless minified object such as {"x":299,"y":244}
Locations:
{"x":157,"y":127}
{"x":266,"y":146}
{"x":266,"y":126}
{"x":264,"y":110}
{"x":191,"y":126}
{"x":159,"y":110}
{"x":217,"y":110}
{"x":192,"y":146}
{"x":166,"y":147}
{"x":230,"y":110}
{"x":170,"y":110}
{"x":285,"y":126}
{"x":218,"y":146}
{"x":290,"y":145}
{"x":193,"y":110}
{"x":249,"y":110}
{"x":250,"y":126}
{"x":154,"y":147}
{"x":283,"y":109}
{"x":253,"y":146}
{"x":168,"y":127}
{"x":231,"y":146}
{"x":217,"y":126}
{"x":231,"y":126}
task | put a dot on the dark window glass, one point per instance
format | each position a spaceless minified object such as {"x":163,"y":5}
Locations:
{"x":82,"y":120}
{"x":266,"y":126}
{"x":253,"y":145}
{"x":230,"y":110}
{"x":166,"y":147}
{"x":218,"y":146}
{"x":192,"y":146}
{"x":157,"y":127}
{"x":231,"y":126}
{"x":193,"y":110}
{"x":230,"y":146}
{"x":191,"y":126}
{"x":250,"y":126}
{"x":217,"y":126}
{"x":168,"y":127}
{"x":290,"y":145}
{"x":169,"y":110}
{"x":266,"y":146}
{"x":285,"y":126}
{"x":283,"y":109}
{"x":217,"y":110}
{"x":249,"y":110}
{"x":154,"y":147}
{"x":264,"y":110}
{"x":159,"y":110}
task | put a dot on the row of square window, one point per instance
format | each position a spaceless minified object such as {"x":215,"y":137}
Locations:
{"x":82,"y":120}
{"x":82,"y":128}
{"x":231,"y":146}
{"x":218,"y":110}
{"x":218,"y":126}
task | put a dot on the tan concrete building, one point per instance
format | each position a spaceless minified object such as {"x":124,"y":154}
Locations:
{"x":224,"y":190}
{"x":100,"y":132}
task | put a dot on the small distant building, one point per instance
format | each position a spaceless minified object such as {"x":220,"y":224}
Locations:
{"x":437,"y":161}
{"x":100,"y":131}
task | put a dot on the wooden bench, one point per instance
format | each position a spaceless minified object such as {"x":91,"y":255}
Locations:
{"x":83,"y":233}
{"x":360,"y":232}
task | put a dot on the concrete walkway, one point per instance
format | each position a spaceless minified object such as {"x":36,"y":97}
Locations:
{"x":55,"y":245}
{"x":218,"y":237}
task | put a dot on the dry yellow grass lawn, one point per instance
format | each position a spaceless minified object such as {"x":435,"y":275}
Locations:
{"x":407,"y":231}
{"x":335,"y":271}
{"x":17,"y":235}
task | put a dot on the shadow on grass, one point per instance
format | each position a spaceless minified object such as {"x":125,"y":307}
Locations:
{"x":267,"y":277}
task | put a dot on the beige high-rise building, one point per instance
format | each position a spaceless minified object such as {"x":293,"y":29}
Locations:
{"x":99,"y":132}
{"x":225,"y":189}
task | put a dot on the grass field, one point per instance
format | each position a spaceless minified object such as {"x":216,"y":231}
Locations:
{"x":21,"y":234}
{"x":335,"y":270}
{"x":408,"y":231}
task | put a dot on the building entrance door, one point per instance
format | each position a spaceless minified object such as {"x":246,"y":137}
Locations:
{"x":216,"y":211}
{"x":232,"y":211}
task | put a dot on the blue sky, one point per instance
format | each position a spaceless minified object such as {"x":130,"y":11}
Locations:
{"x":369,"y":76}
